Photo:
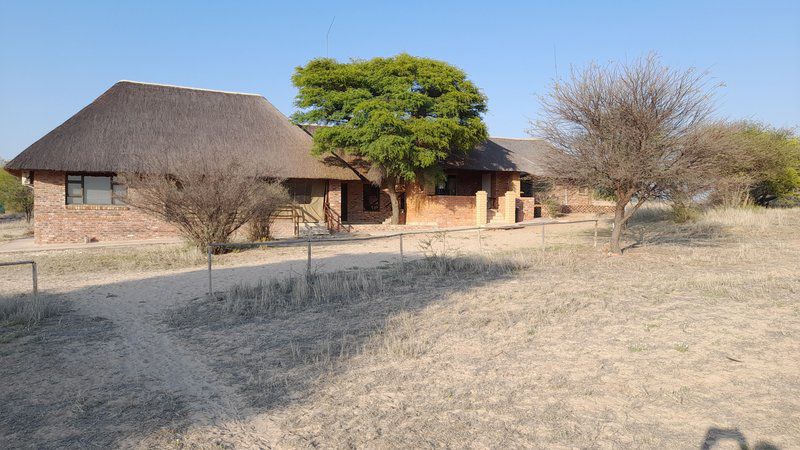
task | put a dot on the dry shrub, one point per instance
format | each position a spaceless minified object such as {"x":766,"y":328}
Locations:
{"x":26,"y":310}
{"x":207,"y":198}
{"x":650,"y":213}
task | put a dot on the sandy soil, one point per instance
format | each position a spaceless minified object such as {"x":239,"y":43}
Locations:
{"x":691,"y":335}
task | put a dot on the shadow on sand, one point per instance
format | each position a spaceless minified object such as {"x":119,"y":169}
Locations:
{"x":716,"y":436}
{"x":80,"y":393}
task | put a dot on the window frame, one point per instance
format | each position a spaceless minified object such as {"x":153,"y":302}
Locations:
{"x":301,"y":198}
{"x":370,"y":207}
{"x":116,"y":200}
{"x":449,"y":186}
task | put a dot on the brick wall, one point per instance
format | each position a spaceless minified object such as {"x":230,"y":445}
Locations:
{"x":439,"y":210}
{"x":355,"y":206}
{"x":56,"y":222}
{"x":527,"y":208}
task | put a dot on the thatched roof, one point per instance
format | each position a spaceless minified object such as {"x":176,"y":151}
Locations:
{"x":505,"y":155}
{"x":524,"y":155}
{"x":134,"y":121}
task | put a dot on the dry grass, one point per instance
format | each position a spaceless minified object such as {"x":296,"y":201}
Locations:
{"x":13,"y":226}
{"x":297,"y":291}
{"x":26,"y":310}
{"x":690,"y":337}
{"x":110,"y":259}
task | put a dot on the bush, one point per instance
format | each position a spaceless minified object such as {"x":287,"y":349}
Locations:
{"x":207,"y":199}
{"x":15,"y":196}
{"x":685,"y":212}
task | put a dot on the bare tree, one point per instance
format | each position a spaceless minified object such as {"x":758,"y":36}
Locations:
{"x":207,"y":198}
{"x":638,"y":130}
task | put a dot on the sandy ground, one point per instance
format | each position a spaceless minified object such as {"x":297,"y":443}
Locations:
{"x":686,"y":337}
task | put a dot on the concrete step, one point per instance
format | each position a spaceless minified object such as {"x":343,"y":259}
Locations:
{"x":312,"y":228}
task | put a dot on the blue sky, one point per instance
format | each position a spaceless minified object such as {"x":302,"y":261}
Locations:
{"x":56,"y":57}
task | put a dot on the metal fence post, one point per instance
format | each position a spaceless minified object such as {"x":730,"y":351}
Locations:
{"x":542,"y":235}
{"x":402,"y":257}
{"x":308,"y":264}
{"x":595,"y":233}
{"x":35,"y":277}
{"x":210,"y":289}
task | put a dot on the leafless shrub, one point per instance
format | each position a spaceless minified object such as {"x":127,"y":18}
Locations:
{"x":639,"y":130}
{"x":207,"y":198}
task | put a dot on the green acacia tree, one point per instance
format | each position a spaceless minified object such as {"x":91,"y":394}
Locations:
{"x":772,"y":158}
{"x":401,"y":115}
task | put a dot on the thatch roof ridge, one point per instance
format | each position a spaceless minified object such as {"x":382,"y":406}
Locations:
{"x":176,"y":86}
{"x":134,"y":120}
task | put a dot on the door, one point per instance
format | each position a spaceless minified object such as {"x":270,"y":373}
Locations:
{"x":344,"y":202}
{"x":486,"y":185}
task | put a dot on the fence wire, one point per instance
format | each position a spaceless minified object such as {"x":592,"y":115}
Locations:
{"x":310,"y":241}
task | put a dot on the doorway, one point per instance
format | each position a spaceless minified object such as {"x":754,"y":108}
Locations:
{"x":343,"y":205}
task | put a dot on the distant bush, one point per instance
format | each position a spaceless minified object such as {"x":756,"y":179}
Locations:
{"x":685,"y":212}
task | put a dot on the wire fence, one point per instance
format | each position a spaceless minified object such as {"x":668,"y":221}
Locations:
{"x":34,"y":275}
{"x":310,"y":241}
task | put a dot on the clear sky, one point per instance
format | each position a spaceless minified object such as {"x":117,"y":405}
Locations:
{"x":56,"y":57}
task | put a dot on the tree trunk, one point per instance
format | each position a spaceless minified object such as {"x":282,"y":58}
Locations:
{"x":619,"y":224}
{"x":392,"y":193}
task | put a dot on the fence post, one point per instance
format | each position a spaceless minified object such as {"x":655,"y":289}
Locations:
{"x":210,"y":289}
{"x":543,"y":235}
{"x":308,"y":264}
{"x":595,"y":233}
{"x":35,"y":277}
{"x":402,"y":260}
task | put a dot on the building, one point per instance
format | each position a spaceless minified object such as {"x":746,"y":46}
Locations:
{"x":73,"y":167}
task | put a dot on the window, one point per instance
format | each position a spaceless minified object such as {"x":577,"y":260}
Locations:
{"x":372,"y":198}
{"x":300,"y":190}
{"x":447,"y":186}
{"x":94,"y":190}
{"x":526,"y":188}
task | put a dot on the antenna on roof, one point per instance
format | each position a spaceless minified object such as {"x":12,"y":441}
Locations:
{"x":328,"y":34}
{"x":555,"y":61}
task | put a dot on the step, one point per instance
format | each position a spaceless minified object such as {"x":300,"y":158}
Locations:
{"x":312,"y":228}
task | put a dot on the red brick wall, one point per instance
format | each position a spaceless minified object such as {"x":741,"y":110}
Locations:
{"x":501,"y":182}
{"x":525,"y":206}
{"x":439,"y":210}
{"x":355,"y":206}
{"x":56,"y":222}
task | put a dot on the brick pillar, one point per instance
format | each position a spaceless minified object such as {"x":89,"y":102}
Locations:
{"x":335,"y":203}
{"x":509,"y":207}
{"x":481,"y":198}
{"x":515,"y":184}
{"x":335,"y":196}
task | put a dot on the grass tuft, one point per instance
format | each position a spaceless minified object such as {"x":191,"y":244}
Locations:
{"x":26,"y":310}
{"x":267,"y":297}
